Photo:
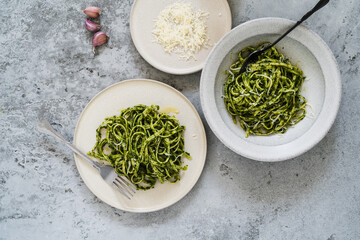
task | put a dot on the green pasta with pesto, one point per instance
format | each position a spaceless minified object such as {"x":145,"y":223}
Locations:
{"x":266,"y":98}
{"x":143,"y":145}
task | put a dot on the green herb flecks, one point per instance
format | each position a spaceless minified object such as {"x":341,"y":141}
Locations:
{"x":143,"y":145}
{"x":266,"y":97}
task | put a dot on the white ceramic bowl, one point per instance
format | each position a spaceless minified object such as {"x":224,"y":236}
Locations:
{"x":322,"y":89}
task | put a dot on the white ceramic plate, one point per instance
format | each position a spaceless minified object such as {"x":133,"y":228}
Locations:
{"x":322,"y":89}
{"x":110,"y":102}
{"x":142,"y":17}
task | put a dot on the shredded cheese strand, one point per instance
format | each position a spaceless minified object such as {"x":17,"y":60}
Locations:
{"x":181,"y":30}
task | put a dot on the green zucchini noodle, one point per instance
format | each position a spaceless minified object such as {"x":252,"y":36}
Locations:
{"x":266,"y":97}
{"x":143,"y":145}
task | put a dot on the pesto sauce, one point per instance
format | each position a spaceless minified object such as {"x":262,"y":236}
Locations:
{"x":146,"y":145}
{"x":265,"y":99}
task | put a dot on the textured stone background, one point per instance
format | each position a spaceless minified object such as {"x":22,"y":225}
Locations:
{"x":47,"y":70}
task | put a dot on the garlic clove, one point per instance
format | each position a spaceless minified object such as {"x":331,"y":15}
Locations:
{"x":99,"y":39}
{"x":91,"y":26}
{"x":92,"y":12}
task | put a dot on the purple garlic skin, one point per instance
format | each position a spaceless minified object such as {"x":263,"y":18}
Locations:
{"x":99,"y":39}
{"x":91,"y":26}
{"x":92,"y":12}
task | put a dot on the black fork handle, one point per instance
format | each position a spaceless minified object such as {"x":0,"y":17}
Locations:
{"x":319,"y":5}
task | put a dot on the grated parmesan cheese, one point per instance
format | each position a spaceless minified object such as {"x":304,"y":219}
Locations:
{"x":181,"y":30}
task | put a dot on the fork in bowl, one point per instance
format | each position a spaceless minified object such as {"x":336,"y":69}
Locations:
{"x":124,"y":186}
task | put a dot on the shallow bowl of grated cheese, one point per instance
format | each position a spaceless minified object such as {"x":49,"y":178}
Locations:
{"x":321,"y":89}
{"x":177,"y":37}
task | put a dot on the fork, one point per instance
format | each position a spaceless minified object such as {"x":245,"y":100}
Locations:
{"x":124,"y":186}
{"x":253,"y":56}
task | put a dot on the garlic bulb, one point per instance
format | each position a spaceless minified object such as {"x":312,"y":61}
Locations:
{"x":92,"y":12}
{"x":99,"y":39}
{"x":91,"y":26}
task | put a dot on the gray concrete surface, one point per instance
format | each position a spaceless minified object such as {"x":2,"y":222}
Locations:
{"x":47,"y":70}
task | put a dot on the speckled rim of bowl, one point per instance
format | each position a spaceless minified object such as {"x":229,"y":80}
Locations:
{"x":322,"y":124}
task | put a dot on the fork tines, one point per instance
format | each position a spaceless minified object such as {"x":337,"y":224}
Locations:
{"x":125,"y":187}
